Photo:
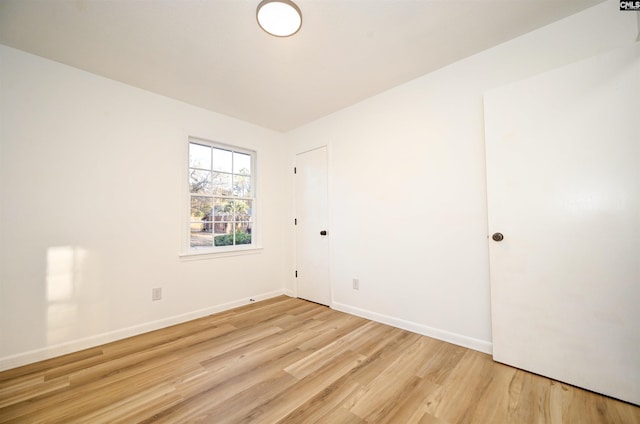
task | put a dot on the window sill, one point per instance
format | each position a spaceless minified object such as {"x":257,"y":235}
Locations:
{"x":197,"y":255}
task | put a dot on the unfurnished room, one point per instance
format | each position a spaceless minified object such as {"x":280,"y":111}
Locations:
{"x":320,"y":211}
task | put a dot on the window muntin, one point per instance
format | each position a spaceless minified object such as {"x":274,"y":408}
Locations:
{"x":221,"y":195}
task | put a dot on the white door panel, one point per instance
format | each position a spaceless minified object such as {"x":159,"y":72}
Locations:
{"x":563,"y":178}
{"x":312,"y":215}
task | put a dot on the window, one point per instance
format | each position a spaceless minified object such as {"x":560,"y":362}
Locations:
{"x":221,"y":195}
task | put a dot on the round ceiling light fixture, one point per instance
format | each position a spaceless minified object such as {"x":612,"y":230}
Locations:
{"x":281,"y":18}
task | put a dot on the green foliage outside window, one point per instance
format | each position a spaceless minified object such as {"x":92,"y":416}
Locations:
{"x":227,"y":239}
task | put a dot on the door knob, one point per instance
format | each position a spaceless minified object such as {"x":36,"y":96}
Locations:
{"x":497,"y":237}
{"x":323,"y":232}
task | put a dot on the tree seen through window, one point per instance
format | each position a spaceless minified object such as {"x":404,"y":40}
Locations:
{"x":222,"y":195}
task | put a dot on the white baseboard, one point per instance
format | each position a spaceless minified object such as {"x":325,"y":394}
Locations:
{"x":48,"y":352}
{"x":446,"y":336}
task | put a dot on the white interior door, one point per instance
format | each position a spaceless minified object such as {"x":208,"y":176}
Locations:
{"x":312,"y":222}
{"x":563,"y":175}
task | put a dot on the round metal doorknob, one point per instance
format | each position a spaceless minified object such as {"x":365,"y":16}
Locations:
{"x":497,"y":237}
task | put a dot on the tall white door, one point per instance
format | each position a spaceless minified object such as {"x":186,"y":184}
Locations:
{"x":563,"y":175}
{"x":312,"y":222}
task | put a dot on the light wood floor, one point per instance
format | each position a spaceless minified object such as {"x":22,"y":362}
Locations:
{"x":289,"y":361}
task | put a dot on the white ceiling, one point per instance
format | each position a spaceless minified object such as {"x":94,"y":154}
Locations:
{"x":211,"y":53}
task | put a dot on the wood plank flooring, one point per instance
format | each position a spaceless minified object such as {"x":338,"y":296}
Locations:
{"x":286,"y":360}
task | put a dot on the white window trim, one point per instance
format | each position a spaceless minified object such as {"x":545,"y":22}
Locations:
{"x":187,"y":253}
{"x":222,"y":253}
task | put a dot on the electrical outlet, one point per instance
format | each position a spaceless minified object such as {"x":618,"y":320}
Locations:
{"x":356,"y":284}
{"x":156,"y":293}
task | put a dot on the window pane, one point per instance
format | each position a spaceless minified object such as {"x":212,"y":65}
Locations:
{"x":243,"y":233}
{"x":201,"y":208}
{"x":242,"y":209}
{"x":199,"y":156}
{"x":241,"y":163}
{"x":222,"y":184}
{"x":223,"y":210}
{"x":200,"y":181}
{"x":241,"y":186}
{"x":201,"y":238}
{"x":224,"y":234}
{"x":226,"y":240}
{"x":221,"y":228}
{"x":221,"y":160}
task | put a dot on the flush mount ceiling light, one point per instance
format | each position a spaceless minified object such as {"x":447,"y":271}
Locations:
{"x":281,"y":18}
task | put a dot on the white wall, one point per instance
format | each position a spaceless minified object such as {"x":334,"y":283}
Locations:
{"x":92,"y":182}
{"x":407,"y":175}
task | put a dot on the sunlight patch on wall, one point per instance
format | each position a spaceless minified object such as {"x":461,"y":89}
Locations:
{"x":64,"y":266}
